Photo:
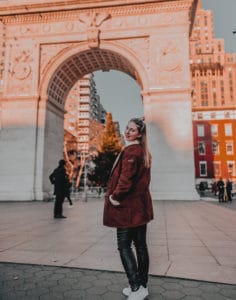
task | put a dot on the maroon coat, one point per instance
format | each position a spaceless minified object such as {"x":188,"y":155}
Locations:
{"x":129,"y":184}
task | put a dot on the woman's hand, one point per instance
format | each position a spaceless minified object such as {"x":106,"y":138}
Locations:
{"x":113,"y":202}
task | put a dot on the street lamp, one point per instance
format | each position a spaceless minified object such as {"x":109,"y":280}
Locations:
{"x":85,"y":181}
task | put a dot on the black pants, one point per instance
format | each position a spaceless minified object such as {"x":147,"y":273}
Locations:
{"x":68,"y":198}
{"x":229,"y":195}
{"x":221,"y":196}
{"x":58,"y":205}
{"x":136,"y":270}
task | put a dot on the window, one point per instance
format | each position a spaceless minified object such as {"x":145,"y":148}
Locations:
{"x":217,"y":168}
{"x":201,"y":148}
{"x":213,"y":115}
{"x":83,"y":138}
{"x":84,"y":123}
{"x":231,"y":168}
{"x":200,"y":130}
{"x":204,"y":92}
{"x":203,"y":168}
{"x":229,"y":148}
{"x":84,"y":115}
{"x":200,"y":116}
{"x":215,"y":147}
{"x":228,"y":129}
{"x":227,"y":115}
{"x":214,"y":129}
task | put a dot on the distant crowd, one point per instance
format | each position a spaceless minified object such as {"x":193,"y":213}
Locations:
{"x":222,"y":189}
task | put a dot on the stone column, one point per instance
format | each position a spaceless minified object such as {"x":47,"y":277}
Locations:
{"x":17,"y":149}
{"x":167,"y":108}
{"x":50,"y":143}
{"x":169,"y":122}
{"x":19,"y":101}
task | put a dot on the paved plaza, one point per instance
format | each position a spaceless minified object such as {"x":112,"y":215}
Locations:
{"x":192,"y":251}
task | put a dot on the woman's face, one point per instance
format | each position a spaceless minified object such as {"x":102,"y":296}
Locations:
{"x":131,"y":132}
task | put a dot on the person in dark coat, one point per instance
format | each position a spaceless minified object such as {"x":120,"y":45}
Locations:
{"x":202,"y":188}
{"x":229,"y":188}
{"x":221,"y":189}
{"x":59,"y":179}
{"x":128,"y":207}
{"x":214,"y":188}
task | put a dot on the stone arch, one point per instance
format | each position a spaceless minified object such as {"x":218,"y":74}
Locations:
{"x":59,"y":77}
{"x":130,"y":63}
{"x":150,"y":39}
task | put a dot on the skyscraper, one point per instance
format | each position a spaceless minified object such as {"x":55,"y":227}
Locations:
{"x":213,"y":75}
{"x":84,"y":112}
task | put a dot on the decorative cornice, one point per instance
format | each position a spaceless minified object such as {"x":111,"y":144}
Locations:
{"x":148,"y":8}
{"x":14,"y":98}
{"x":164,"y":91}
{"x":46,"y":6}
{"x":214,"y":115}
{"x":207,"y":109}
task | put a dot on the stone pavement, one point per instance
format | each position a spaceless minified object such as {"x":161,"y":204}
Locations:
{"x":187,"y":240}
{"x":38,"y":282}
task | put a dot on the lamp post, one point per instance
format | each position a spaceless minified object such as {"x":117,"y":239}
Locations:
{"x":85,"y":181}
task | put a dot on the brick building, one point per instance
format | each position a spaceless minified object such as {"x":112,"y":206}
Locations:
{"x":213,"y":102}
{"x":84,"y":115}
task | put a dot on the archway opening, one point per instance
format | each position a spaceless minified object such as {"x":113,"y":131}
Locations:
{"x":63,"y":79}
{"x":80,"y":64}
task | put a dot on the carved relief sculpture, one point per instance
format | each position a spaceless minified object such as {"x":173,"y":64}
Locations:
{"x":170,"y":61}
{"x":93,"y":21}
{"x":20,"y":68}
{"x":47,"y":52}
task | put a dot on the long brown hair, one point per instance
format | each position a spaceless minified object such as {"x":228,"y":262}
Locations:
{"x":139,"y":122}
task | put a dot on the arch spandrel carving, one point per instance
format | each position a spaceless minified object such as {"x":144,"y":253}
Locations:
{"x":48,"y":52}
{"x":141,"y":48}
{"x":21,"y":77}
{"x":171,"y":63}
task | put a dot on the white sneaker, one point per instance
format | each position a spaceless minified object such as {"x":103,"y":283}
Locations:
{"x":126,"y":291}
{"x":140,"y":294}
{"x":71,"y":205}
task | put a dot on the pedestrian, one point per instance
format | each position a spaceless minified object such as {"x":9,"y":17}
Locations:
{"x":128,"y":207}
{"x":229,"y":188}
{"x":202,"y":188}
{"x":214,"y":188}
{"x":59,"y":179}
{"x":221,"y":189}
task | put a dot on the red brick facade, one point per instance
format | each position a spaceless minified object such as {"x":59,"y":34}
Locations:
{"x":213,"y":75}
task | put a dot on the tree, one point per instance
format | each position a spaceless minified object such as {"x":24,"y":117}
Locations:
{"x":110,"y":147}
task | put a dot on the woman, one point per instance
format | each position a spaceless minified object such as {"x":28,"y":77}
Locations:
{"x":128,"y":207}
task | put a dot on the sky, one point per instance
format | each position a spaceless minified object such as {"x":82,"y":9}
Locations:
{"x":120,"y":94}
